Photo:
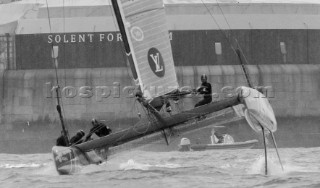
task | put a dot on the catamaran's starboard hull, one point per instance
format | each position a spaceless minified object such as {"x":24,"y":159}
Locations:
{"x":237,"y":145}
{"x":66,"y":159}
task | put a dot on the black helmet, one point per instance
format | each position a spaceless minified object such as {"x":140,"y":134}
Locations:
{"x":81,"y":133}
{"x":139,"y":94}
{"x":204,"y":76}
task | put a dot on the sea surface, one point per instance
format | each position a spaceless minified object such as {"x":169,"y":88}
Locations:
{"x":214,"y":168}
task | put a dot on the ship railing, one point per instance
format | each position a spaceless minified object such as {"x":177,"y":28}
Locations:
{"x":7,"y":52}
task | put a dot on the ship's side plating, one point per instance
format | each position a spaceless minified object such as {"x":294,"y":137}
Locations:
{"x":201,"y":34}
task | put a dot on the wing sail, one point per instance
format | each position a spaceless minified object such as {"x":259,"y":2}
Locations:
{"x":148,"y":38}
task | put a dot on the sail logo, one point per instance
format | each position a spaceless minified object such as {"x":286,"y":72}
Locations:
{"x":156,"y":62}
{"x":61,"y":156}
{"x":137,"y":33}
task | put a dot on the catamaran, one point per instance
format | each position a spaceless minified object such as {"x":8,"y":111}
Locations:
{"x":146,"y":41}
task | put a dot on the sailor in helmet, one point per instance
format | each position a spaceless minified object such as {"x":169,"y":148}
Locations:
{"x":75,"y":139}
{"x":206,"y":90}
{"x":99,"y":128}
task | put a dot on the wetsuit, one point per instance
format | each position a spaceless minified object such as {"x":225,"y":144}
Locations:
{"x":77,"y":138}
{"x":61,"y":141}
{"x":100,"y":129}
{"x":206,"y":91}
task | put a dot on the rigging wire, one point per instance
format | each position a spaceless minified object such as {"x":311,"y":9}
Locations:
{"x":123,"y":54}
{"x":237,"y":50}
{"x":53,"y":62}
{"x":64,"y":50}
{"x":224,"y":16}
{"x":60,"y":104}
{"x":133,"y":128}
{"x":218,"y":25}
{"x":64,"y":44}
{"x":124,"y":58}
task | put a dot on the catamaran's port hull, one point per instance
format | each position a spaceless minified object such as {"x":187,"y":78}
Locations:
{"x":69,"y":160}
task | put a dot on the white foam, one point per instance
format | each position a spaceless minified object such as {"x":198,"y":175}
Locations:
{"x":132,"y":165}
{"x":274,"y":167}
{"x":29,"y":165}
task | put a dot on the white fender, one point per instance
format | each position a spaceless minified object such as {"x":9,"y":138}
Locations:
{"x":228,"y":139}
{"x":185,"y":141}
{"x":185,"y":145}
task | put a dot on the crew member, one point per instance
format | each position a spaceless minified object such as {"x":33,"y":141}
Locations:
{"x":99,"y":128}
{"x":77,"y":138}
{"x":157,"y":102}
{"x":61,"y":141}
{"x":216,"y":138}
{"x":206,"y":90}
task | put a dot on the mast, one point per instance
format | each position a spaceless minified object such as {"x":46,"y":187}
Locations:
{"x":117,"y":13}
{"x":238,"y":52}
{"x":54,"y":56}
{"x":64,"y":131}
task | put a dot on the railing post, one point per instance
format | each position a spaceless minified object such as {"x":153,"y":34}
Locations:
{"x":8,"y":51}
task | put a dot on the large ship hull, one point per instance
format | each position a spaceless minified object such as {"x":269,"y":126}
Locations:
{"x":189,"y":47}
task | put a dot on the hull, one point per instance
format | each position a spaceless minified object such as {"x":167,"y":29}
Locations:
{"x":237,"y":145}
{"x":142,"y":129}
{"x":156,"y":141}
{"x":68,"y":160}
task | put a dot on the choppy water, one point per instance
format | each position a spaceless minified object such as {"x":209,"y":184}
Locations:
{"x":215,"y":168}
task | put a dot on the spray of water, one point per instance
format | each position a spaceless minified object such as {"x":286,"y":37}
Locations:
{"x":132,"y":165}
{"x":29,"y":165}
{"x":258,"y":166}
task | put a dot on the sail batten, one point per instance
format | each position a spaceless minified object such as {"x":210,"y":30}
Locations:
{"x":154,"y":43}
{"x":142,"y":12}
{"x":155,"y":16}
{"x":148,"y":37}
{"x":166,"y":49}
{"x":141,"y":6}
